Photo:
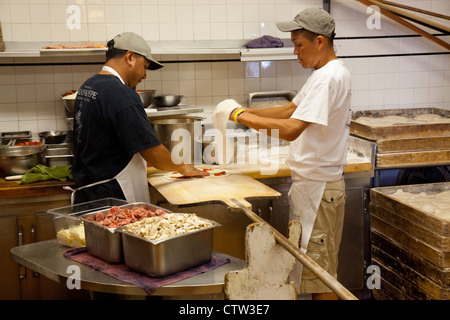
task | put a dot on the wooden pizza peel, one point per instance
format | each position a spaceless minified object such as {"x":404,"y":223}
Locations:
{"x":233,"y":190}
{"x":204,"y":190}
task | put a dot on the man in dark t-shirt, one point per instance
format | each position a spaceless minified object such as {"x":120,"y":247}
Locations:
{"x":111,"y":130}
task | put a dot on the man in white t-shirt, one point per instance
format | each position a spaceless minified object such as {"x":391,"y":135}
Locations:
{"x":316,"y":122}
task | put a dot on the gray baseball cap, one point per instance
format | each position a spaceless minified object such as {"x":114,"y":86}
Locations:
{"x":134,"y":42}
{"x":312,"y":19}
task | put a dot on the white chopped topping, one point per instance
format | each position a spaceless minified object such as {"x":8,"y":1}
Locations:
{"x":166,"y":226}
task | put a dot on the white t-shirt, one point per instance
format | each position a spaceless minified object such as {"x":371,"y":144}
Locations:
{"x":320,"y":152}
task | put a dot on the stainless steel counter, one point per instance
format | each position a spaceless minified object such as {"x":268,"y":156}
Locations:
{"x":46,"y":257}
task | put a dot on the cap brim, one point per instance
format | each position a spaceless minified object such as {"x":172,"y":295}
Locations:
{"x":288,"y":26}
{"x":155,"y":65}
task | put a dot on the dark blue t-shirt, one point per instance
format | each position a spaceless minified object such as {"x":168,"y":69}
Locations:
{"x":110,"y":126}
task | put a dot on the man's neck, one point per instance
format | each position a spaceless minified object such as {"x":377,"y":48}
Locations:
{"x":328,"y":56}
{"x":117,"y":68}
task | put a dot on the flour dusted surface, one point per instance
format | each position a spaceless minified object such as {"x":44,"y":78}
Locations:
{"x":392,"y":120}
{"x":433,"y":203}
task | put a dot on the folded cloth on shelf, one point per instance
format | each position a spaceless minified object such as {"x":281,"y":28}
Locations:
{"x":123,"y":273}
{"x":265,"y":42}
{"x":44,"y":173}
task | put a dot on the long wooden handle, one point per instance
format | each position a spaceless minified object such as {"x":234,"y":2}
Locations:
{"x":408,"y":25}
{"x":430,"y":13}
{"x":410,"y":15}
{"x":331,"y":282}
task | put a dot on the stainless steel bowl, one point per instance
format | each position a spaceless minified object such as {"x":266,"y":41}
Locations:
{"x":69,"y":105}
{"x":52,"y":137}
{"x":146,"y":96}
{"x":18,"y":160}
{"x":69,"y":101}
{"x":168,"y":100}
{"x":164,"y":128}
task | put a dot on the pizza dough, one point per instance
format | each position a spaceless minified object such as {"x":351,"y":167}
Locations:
{"x":213,"y":173}
{"x":432,"y":118}
{"x":444,"y":196}
{"x":174,"y":175}
{"x":396,"y":119}
{"x":434,"y":203}
{"x":371,"y":121}
{"x":428,"y":117}
{"x":382,"y":121}
{"x":220,"y":119}
{"x":392,"y":120}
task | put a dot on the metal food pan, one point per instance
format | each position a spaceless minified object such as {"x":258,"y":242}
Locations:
{"x":6,"y":137}
{"x":16,"y":134}
{"x":104,"y":242}
{"x":164,"y":257}
{"x":62,"y":160}
{"x":58,"y":152}
{"x":16,"y":141}
{"x":59,"y":149}
{"x":257,"y":100}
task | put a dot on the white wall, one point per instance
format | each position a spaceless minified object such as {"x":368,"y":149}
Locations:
{"x":30,"y":94}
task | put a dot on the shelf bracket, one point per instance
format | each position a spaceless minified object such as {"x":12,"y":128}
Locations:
{"x":326,"y":5}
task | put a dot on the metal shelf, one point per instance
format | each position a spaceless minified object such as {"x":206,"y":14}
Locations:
{"x":207,"y":49}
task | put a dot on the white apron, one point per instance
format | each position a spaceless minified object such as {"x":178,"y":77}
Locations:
{"x":304,"y":199}
{"x":132,"y":179}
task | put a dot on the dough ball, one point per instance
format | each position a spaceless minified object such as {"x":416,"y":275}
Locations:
{"x":371,"y":121}
{"x":427,"y":117}
{"x":396,"y":119}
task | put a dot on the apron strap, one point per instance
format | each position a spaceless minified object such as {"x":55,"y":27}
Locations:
{"x":72,"y":196}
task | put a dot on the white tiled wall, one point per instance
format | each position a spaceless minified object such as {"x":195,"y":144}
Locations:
{"x":30,"y":95}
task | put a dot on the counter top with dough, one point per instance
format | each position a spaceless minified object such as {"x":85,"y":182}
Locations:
{"x":274,"y":166}
{"x":269,"y":169}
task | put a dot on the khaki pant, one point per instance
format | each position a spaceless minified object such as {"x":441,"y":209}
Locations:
{"x":323,"y":246}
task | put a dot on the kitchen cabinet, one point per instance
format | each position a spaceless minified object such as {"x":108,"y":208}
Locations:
{"x":24,"y":220}
{"x":9,"y":271}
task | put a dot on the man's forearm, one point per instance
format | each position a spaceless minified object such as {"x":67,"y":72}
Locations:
{"x":160,"y":158}
{"x":281,"y":112}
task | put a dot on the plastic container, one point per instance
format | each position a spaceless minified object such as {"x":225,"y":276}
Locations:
{"x":67,"y":220}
